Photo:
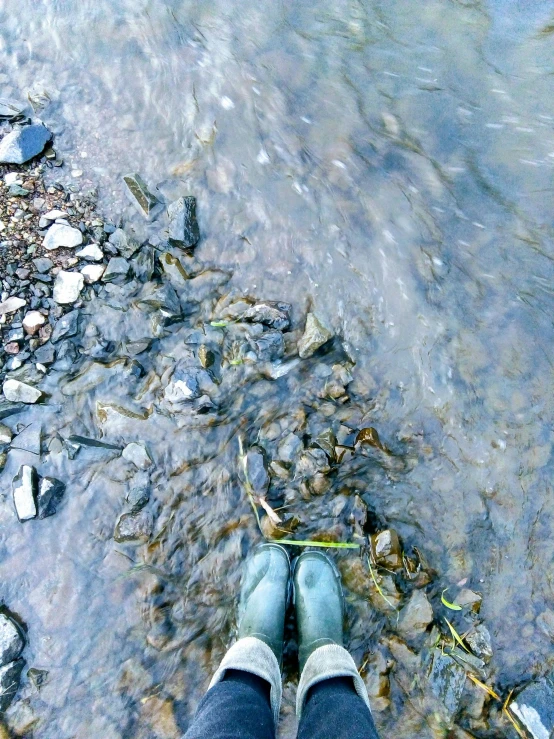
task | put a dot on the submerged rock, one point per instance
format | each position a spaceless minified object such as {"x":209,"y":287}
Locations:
{"x":386,"y":549}
{"x":66,"y":326}
{"x":24,"y":488}
{"x":479,"y":641}
{"x":125,"y":245}
{"x":146,"y":203}
{"x":62,"y":235}
{"x":10,"y":108}
{"x":29,"y":440}
{"x":67,"y":287}
{"x":534,"y":707}
{"x":137,"y":454}
{"x":134,"y":527}
{"x":256,"y":467}
{"x":289,"y":448}
{"x":20,"y":392}
{"x":315,"y":336}
{"x":50,"y":493}
{"x":11,"y":641}
{"x":416,"y":616}
{"x":10,"y":675}
{"x":6,"y":434}
{"x":118,"y":267}
{"x":139,"y":495}
{"x":23,"y":143}
{"x":271,"y":313}
{"x":447,"y":680}
{"x":183,"y":228}
{"x":269,"y":346}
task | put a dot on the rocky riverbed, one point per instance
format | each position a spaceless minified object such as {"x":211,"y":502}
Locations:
{"x":146,"y":405}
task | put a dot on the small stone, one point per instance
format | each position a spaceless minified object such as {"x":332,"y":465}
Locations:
{"x":24,"y":488}
{"x":67,"y":287}
{"x":183,"y":227}
{"x":53,"y":215}
{"x":11,"y":641}
{"x":256,"y":468}
{"x":43,"y":264}
{"x":271,"y":313}
{"x":269,"y":346}
{"x":139,"y":495}
{"x":37,"y":677}
{"x":315,"y":336}
{"x":33,"y":321}
{"x":118,"y":267}
{"x":205,"y":356}
{"x":469,"y":599}
{"x":90,"y":252}
{"x":134,"y":527}
{"x":146,"y":203}
{"x":50,"y":493}
{"x":66,"y":326}
{"x":534,"y":707}
{"x":5,"y":434}
{"x":386,"y":549}
{"x":60,"y":234}
{"x":10,"y":675}
{"x":479,"y":640}
{"x":416,"y":616}
{"x":11,"y":305}
{"x":24,"y":143}
{"x":125,"y":245}
{"x":45,"y":354}
{"x":137,"y":454}
{"x":184,"y":385}
{"x":20,"y":392}
{"x":92,"y":273}
{"x":12,"y":347}
{"x":447,"y":680}
{"x":289,"y":448}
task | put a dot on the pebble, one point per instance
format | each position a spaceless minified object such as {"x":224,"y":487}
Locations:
{"x":91,"y":252}
{"x":117,"y":267}
{"x":137,"y":454}
{"x":33,"y":321}
{"x":60,"y":234}
{"x":416,"y":616}
{"x":66,"y":326}
{"x":24,"y":143}
{"x":5,"y":434}
{"x":271,"y":313}
{"x":43,"y":264}
{"x":50,"y":493}
{"x":20,"y":392}
{"x":12,"y":178}
{"x":11,"y":305}
{"x":315,"y":336}
{"x":67,"y":287}
{"x":92,"y":273}
{"x":24,"y":493}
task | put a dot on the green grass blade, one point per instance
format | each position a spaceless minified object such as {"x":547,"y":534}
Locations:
{"x":452,"y":606}
{"x":306,"y":543}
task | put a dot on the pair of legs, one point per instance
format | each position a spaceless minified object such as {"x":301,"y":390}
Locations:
{"x":244,"y":696}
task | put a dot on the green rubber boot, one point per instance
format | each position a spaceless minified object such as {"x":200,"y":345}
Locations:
{"x":319,"y":603}
{"x":264,"y":596}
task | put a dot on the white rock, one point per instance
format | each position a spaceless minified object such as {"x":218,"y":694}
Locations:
{"x":67,"y":287}
{"x":11,"y":641}
{"x":93,"y":272}
{"x":137,"y":454}
{"x":52,"y":215}
{"x":13,"y":178}
{"x":5,"y":434}
{"x":20,"y":392}
{"x":24,"y":493}
{"x":33,"y":321}
{"x":60,"y":234}
{"x":11,"y":305}
{"x":90,"y":252}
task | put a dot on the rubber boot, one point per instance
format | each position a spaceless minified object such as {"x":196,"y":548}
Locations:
{"x":264,"y":597}
{"x":318,"y":601}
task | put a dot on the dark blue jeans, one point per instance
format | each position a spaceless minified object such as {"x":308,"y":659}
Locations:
{"x":238,"y":708}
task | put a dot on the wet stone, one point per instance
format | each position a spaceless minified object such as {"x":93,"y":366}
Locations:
{"x":91,"y":252}
{"x":61,"y":235}
{"x":311,"y":462}
{"x":135,"y":527}
{"x":67,"y":287}
{"x":37,"y":677}
{"x":124,"y":244}
{"x":256,"y":467}
{"x":24,"y":488}
{"x":479,"y":641}
{"x":315,"y":336}
{"x":29,"y":440}
{"x":45,"y":354}
{"x":146,"y":203}
{"x":534,"y":706}
{"x":10,"y":675}
{"x":5,"y":434}
{"x":469,"y":599}
{"x":20,"y":392}
{"x":289,"y":448}
{"x":416,"y":616}
{"x":66,"y":326}
{"x":386,"y":549}
{"x":23,"y":144}
{"x":447,"y":680}
{"x":117,"y":269}
{"x":137,"y":454}
{"x":205,"y":356}
{"x":186,"y":384}
{"x":11,"y":641}
{"x":138,"y":496}
{"x":269,"y":346}
{"x":183,"y":228}
{"x":50,"y":494}
{"x":10,"y":108}
{"x":270,"y":313}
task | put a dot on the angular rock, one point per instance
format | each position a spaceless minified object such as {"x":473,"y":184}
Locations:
{"x":386,"y":549}
{"x":59,"y":234}
{"x":312,"y":462}
{"x":29,"y":439}
{"x":92,"y":273}
{"x":117,"y":268}
{"x":139,"y":495}
{"x":534,"y":707}
{"x":24,"y":488}
{"x":134,"y":527}
{"x":416,"y":616}
{"x":271,"y":313}
{"x":11,"y":641}
{"x":469,"y":599}
{"x":146,"y":203}
{"x":50,"y":493}
{"x":45,"y":354}
{"x":5,"y":434}
{"x":23,"y":143}
{"x":256,"y":467}
{"x":183,"y":228}
{"x":144,"y":264}
{"x":67,"y":287}
{"x":479,"y":640}
{"x":43,"y":264}
{"x":33,"y":321}
{"x":269,"y":346}
{"x":66,"y":326}
{"x":163,"y":298}
{"x":37,"y":677}
{"x":447,"y":680}
{"x":124,"y":243}
{"x":137,"y":454}
{"x":90,"y":252}
{"x":53,"y":215}
{"x":20,"y":392}
{"x":315,"y":336}
{"x":289,"y":448}
{"x":10,"y":675}
{"x":11,"y":305}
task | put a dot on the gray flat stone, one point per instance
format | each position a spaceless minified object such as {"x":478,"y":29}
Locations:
{"x":23,"y":143}
{"x":11,"y":641}
{"x":20,"y":392}
{"x":11,"y":305}
{"x":447,"y":680}
{"x":59,"y":235}
{"x":118,"y":268}
{"x":29,"y":439}
{"x":416,"y":616}
{"x":66,"y":326}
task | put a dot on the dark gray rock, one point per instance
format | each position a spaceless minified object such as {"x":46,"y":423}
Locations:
{"x":43,"y":264}
{"x":117,"y":269}
{"x":162,"y":298}
{"x":67,"y":326}
{"x":203,"y":404}
{"x":289,"y":448}
{"x":183,"y":228}
{"x":270,"y":313}
{"x":11,"y":641}
{"x":447,"y":679}
{"x":9,"y":682}
{"x":135,"y":527}
{"x":256,"y":468}
{"x":312,"y":462}
{"x":144,"y":264}
{"x":8,"y":408}
{"x":269,"y":346}
{"x":50,"y":493}
{"x":37,"y":677}
{"x":479,"y":641}
{"x":45,"y":354}
{"x":23,"y":143}
{"x":24,"y":488}
{"x":534,"y":707}
{"x":125,"y":245}
{"x":139,"y":493}
{"x":146,"y":203}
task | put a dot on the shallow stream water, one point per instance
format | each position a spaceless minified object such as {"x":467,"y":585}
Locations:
{"x":389,"y":164}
